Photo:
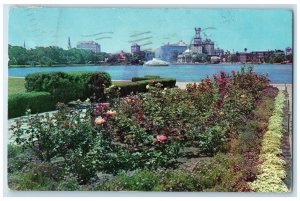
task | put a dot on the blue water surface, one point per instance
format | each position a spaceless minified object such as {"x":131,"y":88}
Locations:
{"x":277,"y":73}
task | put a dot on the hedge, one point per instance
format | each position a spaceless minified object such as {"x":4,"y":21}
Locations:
{"x":146,"y":77}
{"x":69,"y":86}
{"x":140,"y":86}
{"x":35,"y":101}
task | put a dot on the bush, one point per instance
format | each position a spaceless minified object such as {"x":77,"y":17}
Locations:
{"x":69,"y":86}
{"x":146,"y":77}
{"x":17,"y":158}
{"x":141,"y":180}
{"x":37,"y":102}
{"x":178,"y":180}
{"x":35,"y":176}
{"x":138,"y":85}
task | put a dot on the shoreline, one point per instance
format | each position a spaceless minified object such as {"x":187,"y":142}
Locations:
{"x":173,"y":64}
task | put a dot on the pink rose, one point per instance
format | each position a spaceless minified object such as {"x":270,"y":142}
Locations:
{"x":99,"y":120}
{"x":161,"y":138}
{"x":111,"y":113}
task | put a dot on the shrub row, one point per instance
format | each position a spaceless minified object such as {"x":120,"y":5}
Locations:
{"x":69,"y":86}
{"x":146,"y":77}
{"x":140,"y":86}
{"x":35,"y":101}
{"x":272,"y":167}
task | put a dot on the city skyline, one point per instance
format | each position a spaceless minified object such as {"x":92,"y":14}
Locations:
{"x":115,"y":29}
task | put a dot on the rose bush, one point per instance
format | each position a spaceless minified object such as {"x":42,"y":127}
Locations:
{"x":151,"y":129}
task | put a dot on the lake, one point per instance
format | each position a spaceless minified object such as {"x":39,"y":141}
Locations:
{"x":277,"y":73}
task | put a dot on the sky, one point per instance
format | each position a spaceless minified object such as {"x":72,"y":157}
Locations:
{"x":116,"y":28}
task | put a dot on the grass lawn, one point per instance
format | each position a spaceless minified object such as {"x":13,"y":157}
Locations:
{"x":120,"y":82}
{"x":15,"y":85}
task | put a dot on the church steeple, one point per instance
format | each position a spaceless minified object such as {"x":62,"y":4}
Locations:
{"x":24,"y":45}
{"x":69,"y":43}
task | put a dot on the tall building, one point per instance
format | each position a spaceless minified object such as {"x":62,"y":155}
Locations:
{"x":208,"y":47}
{"x":69,"y":43}
{"x":89,"y":45}
{"x":200,"y":46}
{"x":169,"y":52}
{"x":197,"y":47}
{"x":135,"y":49}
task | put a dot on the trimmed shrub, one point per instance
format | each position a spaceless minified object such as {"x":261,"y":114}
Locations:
{"x":69,"y":86}
{"x":146,"y":77}
{"x":140,"y":86}
{"x":152,"y":76}
{"x":35,"y":101}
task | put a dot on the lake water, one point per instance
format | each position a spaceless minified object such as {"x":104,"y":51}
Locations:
{"x":278,"y":73}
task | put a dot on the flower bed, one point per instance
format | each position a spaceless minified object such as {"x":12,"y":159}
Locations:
{"x":272,"y":165}
{"x":151,"y":130}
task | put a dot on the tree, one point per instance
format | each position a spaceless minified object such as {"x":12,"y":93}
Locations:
{"x":200,"y":58}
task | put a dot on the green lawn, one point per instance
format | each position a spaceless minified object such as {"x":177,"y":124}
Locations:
{"x":15,"y":85}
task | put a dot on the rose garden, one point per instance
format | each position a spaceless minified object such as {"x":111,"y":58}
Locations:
{"x":224,"y":134}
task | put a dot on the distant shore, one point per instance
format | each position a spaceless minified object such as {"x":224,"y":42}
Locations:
{"x":79,"y":65}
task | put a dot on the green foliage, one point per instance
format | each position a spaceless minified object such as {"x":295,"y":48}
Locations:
{"x":152,"y":76}
{"x":17,"y":158}
{"x":211,"y":141}
{"x":37,"y":102}
{"x":200,"y":58}
{"x":49,"y":56}
{"x":138,"y":85}
{"x":35,"y":176}
{"x":216,"y":175}
{"x":141,"y":180}
{"x":178,"y":181}
{"x":146,"y":77}
{"x":69,"y":86}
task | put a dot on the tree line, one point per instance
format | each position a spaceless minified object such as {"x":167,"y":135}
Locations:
{"x":52,"y":55}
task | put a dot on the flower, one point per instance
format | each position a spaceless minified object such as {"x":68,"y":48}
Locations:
{"x":29,"y":110}
{"x":242,"y":96}
{"x":222,"y":72}
{"x":99,"y":120}
{"x":232,"y":72}
{"x":161,"y":138}
{"x":158,"y":84}
{"x":165,"y":88}
{"x":111,"y":113}
{"x":147,"y":86}
{"x":151,"y":81}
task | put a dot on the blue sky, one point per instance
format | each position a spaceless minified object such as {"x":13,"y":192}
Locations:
{"x":230,"y":29}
